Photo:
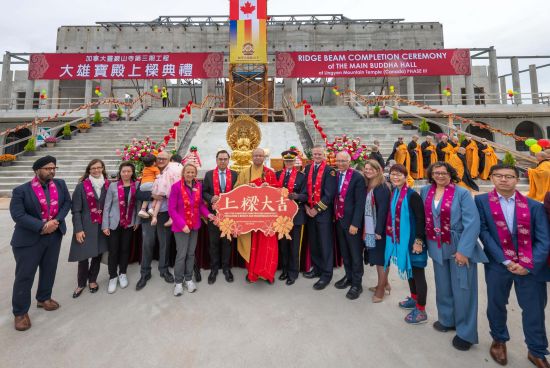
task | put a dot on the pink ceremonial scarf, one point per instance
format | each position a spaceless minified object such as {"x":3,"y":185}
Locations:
{"x":96,"y":213}
{"x":46,"y":212}
{"x":440,"y":234}
{"x":339,"y":205}
{"x":524,"y":255}
{"x":389,"y":228}
{"x":126,"y":212}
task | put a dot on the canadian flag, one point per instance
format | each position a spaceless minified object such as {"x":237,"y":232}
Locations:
{"x":247,"y":9}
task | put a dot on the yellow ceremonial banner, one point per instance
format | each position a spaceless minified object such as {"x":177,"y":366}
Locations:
{"x":248,"y":41}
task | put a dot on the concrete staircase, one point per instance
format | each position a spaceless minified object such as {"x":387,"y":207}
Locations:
{"x":100,"y":142}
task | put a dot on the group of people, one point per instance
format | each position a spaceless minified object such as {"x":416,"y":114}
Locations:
{"x":384,"y":224}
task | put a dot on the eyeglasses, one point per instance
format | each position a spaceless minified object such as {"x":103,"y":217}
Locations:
{"x":440,"y":173}
{"x":96,"y":168}
{"x":396,"y":174}
{"x":507,"y":177}
{"x":49,"y":168}
{"x":161,"y":159}
{"x":223,"y":159}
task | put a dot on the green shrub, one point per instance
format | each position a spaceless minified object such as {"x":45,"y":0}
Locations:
{"x":376,"y":111}
{"x":97,"y":117}
{"x":67,"y":130}
{"x":395,"y":115}
{"x":31,"y":145}
{"x":509,"y":159}
{"x":119,"y":112}
{"x":424,"y":126}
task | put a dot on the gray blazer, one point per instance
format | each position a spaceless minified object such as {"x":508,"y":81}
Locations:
{"x":111,"y":211}
{"x":95,"y":242}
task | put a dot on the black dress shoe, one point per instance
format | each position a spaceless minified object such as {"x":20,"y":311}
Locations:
{"x":197,"y":272}
{"x":228,"y":275}
{"x":461,"y":344}
{"x":142,"y":282}
{"x":290,"y":281}
{"x":320,"y":285}
{"x":212,"y":277}
{"x":439,"y":327}
{"x":77,"y":293}
{"x":93,"y":290}
{"x":354,"y":292}
{"x":283,"y":276}
{"x":343,"y":283}
{"x":310,"y":274}
{"x":168,"y":277}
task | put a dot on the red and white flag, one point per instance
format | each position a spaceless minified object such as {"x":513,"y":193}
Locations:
{"x":248,"y":9}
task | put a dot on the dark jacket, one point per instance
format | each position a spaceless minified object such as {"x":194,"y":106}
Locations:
{"x":377,"y":156}
{"x":382,"y":199}
{"x":354,"y":202}
{"x":411,"y":147}
{"x":208,"y":186}
{"x":328,"y":192}
{"x":301,"y":191}
{"x":25,"y":212}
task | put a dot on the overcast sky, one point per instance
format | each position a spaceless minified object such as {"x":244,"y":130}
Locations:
{"x":513,"y":27}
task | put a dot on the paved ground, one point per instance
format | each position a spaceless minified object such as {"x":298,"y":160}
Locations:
{"x":231,"y":325}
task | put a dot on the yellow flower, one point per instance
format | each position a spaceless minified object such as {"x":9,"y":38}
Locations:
{"x":283,"y":225}
{"x":226,"y":227}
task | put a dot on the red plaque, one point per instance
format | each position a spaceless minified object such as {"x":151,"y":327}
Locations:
{"x":247,"y":208}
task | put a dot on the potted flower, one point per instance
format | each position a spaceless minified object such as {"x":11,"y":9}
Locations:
{"x":50,"y":142}
{"x":384,"y":113}
{"x":407,"y":124}
{"x":30,"y":147}
{"x":97,"y":118}
{"x":376,"y":111}
{"x":424,"y":128}
{"x":113,"y":116}
{"x":7,"y":159}
{"x":67,"y":132}
{"x":119,"y":113}
{"x":395,"y":117}
{"x":84,"y":127}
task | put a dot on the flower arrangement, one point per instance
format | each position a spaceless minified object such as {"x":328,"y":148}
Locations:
{"x":383,"y":113}
{"x":7,"y":158}
{"x":113,"y":116}
{"x":358,"y":151}
{"x":83,"y":126}
{"x":137,"y":149}
{"x":50,"y":140}
{"x":407,"y":122}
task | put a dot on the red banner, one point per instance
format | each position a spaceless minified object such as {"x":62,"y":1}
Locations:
{"x":126,"y":66}
{"x":372,"y":64}
{"x":248,"y":208}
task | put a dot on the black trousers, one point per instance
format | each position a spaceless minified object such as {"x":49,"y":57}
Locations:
{"x":218,"y":245}
{"x":119,"y":251}
{"x":164,"y":102}
{"x":88,"y":269}
{"x":351,"y":247}
{"x":418,"y":285}
{"x":290,"y":252}
{"x":321,"y":246}
{"x":42,"y":256}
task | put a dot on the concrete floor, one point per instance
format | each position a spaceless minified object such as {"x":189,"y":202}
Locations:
{"x":231,"y":325}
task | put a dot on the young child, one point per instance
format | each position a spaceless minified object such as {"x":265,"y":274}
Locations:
{"x":162,"y":186}
{"x":148,"y":176}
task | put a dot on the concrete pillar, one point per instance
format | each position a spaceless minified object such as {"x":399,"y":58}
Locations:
{"x":178,"y":93}
{"x":470,"y":98}
{"x":351,"y":84}
{"x":146,"y":99}
{"x":515,"y":79}
{"x":410,"y":88}
{"x":56,"y":104}
{"x":88,"y":86}
{"x":503,"y":90}
{"x":29,"y":94}
{"x":493,"y":74}
{"x":534,"y":84}
{"x":5,"y":91}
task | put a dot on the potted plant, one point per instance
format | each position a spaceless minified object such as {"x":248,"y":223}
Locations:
{"x":376,"y":111}
{"x":395,"y":117}
{"x":97,"y":118}
{"x":407,"y":124}
{"x":67,"y":132}
{"x":30,"y":147}
{"x":424,"y":128}
{"x":113,"y":116}
{"x":383,"y":113}
{"x":7,"y":159}
{"x":84,"y":127}
{"x":119,"y":113}
{"x":509,"y":159}
{"x":50,"y":142}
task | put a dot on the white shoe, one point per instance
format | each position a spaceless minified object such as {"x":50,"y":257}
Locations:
{"x":123,"y":280}
{"x":112,"y":285}
{"x":178,"y":289}
{"x":190,"y":286}
{"x":151,"y":212}
{"x":143,"y":214}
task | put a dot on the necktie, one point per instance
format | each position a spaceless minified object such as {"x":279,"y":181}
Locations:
{"x":222,"y":181}
{"x":340,"y":182}
{"x":287,"y":177}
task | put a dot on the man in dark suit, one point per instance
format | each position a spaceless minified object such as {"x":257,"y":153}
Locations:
{"x":219,"y":180}
{"x":349,"y":207}
{"x":295,"y":182}
{"x":321,"y":189}
{"x":516,"y":238}
{"x":38,"y":208}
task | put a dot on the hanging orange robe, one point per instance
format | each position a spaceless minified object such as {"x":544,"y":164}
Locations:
{"x":539,"y":181}
{"x":490,"y":161}
{"x":472,"y":158}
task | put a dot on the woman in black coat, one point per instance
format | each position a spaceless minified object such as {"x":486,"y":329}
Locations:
{"x":376,"y":212}
{"x":88,"y":241}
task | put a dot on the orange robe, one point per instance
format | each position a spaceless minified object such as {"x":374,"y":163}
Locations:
{"x":433,"y":157}
{"x":419,"y":174}
{"x":472,"y":158}
{"x":539,"y":181}
{"x":490,"y":161}
{"x":402,"y":156}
